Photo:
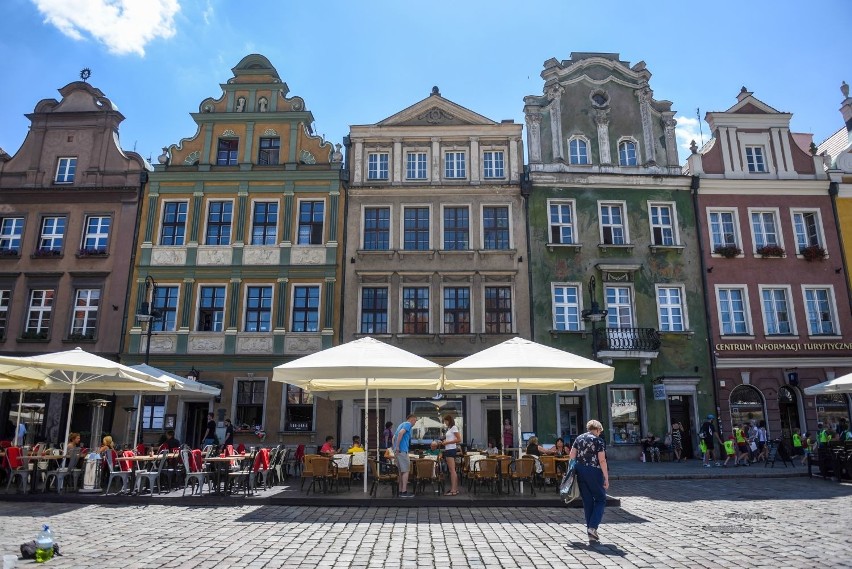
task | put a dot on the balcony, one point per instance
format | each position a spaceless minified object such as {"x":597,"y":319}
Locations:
{"x":641,"y":344}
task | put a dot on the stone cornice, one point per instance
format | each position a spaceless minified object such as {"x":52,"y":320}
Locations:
{"x":763,"y":188}
{"x":562,"y":179}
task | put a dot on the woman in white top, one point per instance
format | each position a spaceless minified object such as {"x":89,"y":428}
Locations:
{"x":450,"y":442}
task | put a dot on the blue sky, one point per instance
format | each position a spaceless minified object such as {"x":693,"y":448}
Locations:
{"x":357,"y":62}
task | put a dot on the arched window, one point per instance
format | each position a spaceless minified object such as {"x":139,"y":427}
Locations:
{"x":831,"y":409}
{"x":746,"y":405}
{"x":578,"y":150}
{"x":627,"y":153}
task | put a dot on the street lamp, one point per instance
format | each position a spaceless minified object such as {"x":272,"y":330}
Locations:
{"x":594,"y":314}
{"x":149,"y":314}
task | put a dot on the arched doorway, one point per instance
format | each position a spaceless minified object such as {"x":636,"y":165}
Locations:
{"x":747,"y":405}
{"x":788,"y":406}
{"x":831,"y":409}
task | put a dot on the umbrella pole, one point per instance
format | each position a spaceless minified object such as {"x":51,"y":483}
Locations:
{"x":366,"y":430}
{"x":520,"y":440}
{"x":18,"y":422}
{"x":502,"y":438}
{"x":70,"y":409}
{"x":378,"y":440}
{"x":138,"y":422}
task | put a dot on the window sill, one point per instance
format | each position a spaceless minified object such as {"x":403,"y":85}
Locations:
{"x":294,"y":433}
{"x":92,"y":256}
{"x":389,"y":253}
{"x":575,"y":246}
{"x":776,"y":337}
{"x":759,"y":256}
{"x":4,"y":255}
{"x":33,"y":340}
{"x":485,"y":252}
{"x":657,"y":248}
{"x":825,"y":336}
{"x":429,"y":253}
{"x":719,"y":256}
{"x":42,"y":256}
{"x":556,"y":333}
{"x":689,"y":333}
{"x":444,"y":252}
{"x":79,"y":341}
{"x":625,"y":247}
{"x":359,"y":335}
{"x":736,"y":336}
{"x":471,"y":337}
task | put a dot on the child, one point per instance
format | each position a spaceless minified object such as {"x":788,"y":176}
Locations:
{"x":356,"y":445}
{"x":809,"y":444}
{"x":729,"y":451}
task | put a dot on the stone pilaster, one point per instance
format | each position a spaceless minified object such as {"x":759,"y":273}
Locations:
{"x":669,"y":124}
{"x":602,"y":124}
{"x":533,"y":119}
{"x":474,"y":160}
{"x":644,"y":95}
{"x":554,"y":93}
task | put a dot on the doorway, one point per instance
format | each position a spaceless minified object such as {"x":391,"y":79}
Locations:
{"x":195,"y":423}
{"x":494,"y":425}
{"x":680,"y":407}
{"x":788,"y":406}
{"x":372,"y":442}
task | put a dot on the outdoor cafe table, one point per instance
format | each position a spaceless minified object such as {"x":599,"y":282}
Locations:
{"x":220,"y":465}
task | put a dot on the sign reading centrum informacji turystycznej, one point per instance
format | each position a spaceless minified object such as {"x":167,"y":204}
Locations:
{"x":784,"y":347}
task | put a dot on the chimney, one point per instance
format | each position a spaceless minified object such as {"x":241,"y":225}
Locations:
{"x":743,"y":94}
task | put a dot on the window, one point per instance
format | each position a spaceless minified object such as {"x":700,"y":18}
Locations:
{"x":831,"y":408}
{"x":754,"y":157}
{"x":153,"y":412}
{"x":723,"y":230}
{"x":374,"y":310}
{"x":746,"y":405}
{"x":624,"y":411}
{"x":174,"y":223}
{"x":415,"y":310}
{"x":495,"y":227}
{"x":306,"y":309}
{"x":612,"y":224}
{"x":456,"y":310}
{"x":819,"y":305}
{"x":165,"y":301}
{"x":619,"y":305}
{"x":226,"y":154}
{"x":776,"y":311}
{"x":377,"y":166}
{"x":807,"y":226}
{"x":85,"y":322}
{"x":578,"y":150}
{"x":566,"y":307}
{"x":416,"y":228}
{"x":219,"y":223}
{"x":454,"y":166}
{"x":251,"y":394}
{"x":11,"y":230}
{"x":211,"y":309}
{"x":498,"y":310}
{"x":670,"y":306}
{"x":561,"y":222}
{"x":96,"y":237}
{"x":38,"y":315}
{"x":627,"y":153}
{"x":492,"y":164}
{"x":5,"y":295}
{"x":377,"y":228}
{"x":264,"y":229}
{"x":52,"y":234}
{"x":269,"y":151}
{"x":428,"y":427}
{"x":732,"y":311}
{"x":65,"y":170}
{"x":258,"y":308}
{"x":456,"y":228}
{"x":765,"y":227}
{"x":415,"y":166}
{"x":311,"y":215}
{"x":662,"y":224}
{"x":298,"y":410}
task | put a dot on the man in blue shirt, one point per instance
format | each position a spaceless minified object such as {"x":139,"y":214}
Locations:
{"x":401,"y":440}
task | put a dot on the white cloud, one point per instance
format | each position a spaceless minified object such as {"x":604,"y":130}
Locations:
{"x":687,"y":130}
{"x":207,"y":14}
{"x":124,"y":26}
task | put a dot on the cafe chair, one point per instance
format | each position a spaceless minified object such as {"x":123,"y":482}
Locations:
{"x":522,"y":470}
{"x":194,"y":473}
{"x":426,"y":471}
{"x":485,"y":471}
{"x":16,"y":468}
{"x":122,"y":471}
{"x":68,"y":469}
{"x":307,"y":468}
{"x":548,"y":469}
{"x":359,"y":465}
{"x":387,"y":478}
{"x":324,"y":472}
{"x":260,"y":471}
{"x":151,"y":476}
{"x":244,"y":475}
{"x":344,"y":470}
{"x":280,"y":465}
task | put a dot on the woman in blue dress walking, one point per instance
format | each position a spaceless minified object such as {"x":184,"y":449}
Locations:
{"x":592,"y":475}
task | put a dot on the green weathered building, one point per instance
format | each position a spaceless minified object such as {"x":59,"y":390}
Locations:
{"x":612,"y":228}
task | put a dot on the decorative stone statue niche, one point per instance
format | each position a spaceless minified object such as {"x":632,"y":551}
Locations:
{"x":241,"y":104}
{"x":262,"y":105}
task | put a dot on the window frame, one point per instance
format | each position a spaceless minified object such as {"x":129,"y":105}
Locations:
{"x":484,"y":230}
{"x":153,"y":412}
{"x":756,"y":159}
{"x":159,"y":324}
{"x":9,"y":240}
{"x":232,"y":156}
{"x":499,"y":310}
{"x":43,"y":313}
{"x":779,"y":234}
{"x":89,"y":313}
{"x":635,"y":436}
{"x":260,"y":309}
{"x":262,"y":393}
{"x":209,"y":223}
{"x":175,"y":224}
{"x":735,"y":220}
{"x":444,"y":229}
{"x":417,"y":154}
{"x":493,"y":171}
{"x":747,"y":319}
{"x":820,"y":229}
{"x":380,"y":326}
{"x":554,"y":306}
{"x":684,"y":313}
{"x":624,"y":141}
{"x":624,"y":223}
{"x":582,"y":158}
{"x":374,"y":173}
{"x":201,"y":310}
{"x":312,"y":224}
{"x":572,"y":204}
{"x":832,"y":306}
{"x":274,"y":158}
{"x":5,"y":303}
{"x":47,"y":241}
{"x":791,"y":310}
{"x":673,"y":227}
{"x":417,"y":311}
{"x":457,"y":169}
{"x":97,"y":236}
{"x":456,"y":324}
{"x":418,"y":231}
{"x":264,"y":225}
{"x":304,"y":400}
{"x":379,"y":230}
{"x":307,"y":309}
{"x":69,"y":173}
{"x":613,"y":309}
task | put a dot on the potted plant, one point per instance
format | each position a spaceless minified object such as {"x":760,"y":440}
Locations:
{"x":770,"y":251}
{"x":79,"y":336}
{"x":47,"y":253}
{"x":8,"y":252}
{"x":813,"y":253}
{"x":92,"y":252}
{"x":34,"y":335}
{"x":727,"y":251}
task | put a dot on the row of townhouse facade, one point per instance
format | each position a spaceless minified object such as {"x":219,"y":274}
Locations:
{"x":719,"y":287}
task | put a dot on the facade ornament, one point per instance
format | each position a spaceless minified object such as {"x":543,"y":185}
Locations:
{"x":337,"y":155}
{"x":844,"y":89}
{"x":305,"y":157}
{"x":164,"y":157}
{"x":191,"y":158}
{"x":241,"y":104}
{"x":228,"y":132}
{"x":644,"y":94}
{"x":270,"y":132}
{"x":435,"y":116}
{"x":601,"y":117}
{"x":435,"y":92}
{"x":669,"y":124}
{"x":208,"y":109}
{"x":298,"y":104}
{"x":262,"y":104}
{"x":813,"y":148}
{"x":693,"y":147}
{"x":554,"y":91}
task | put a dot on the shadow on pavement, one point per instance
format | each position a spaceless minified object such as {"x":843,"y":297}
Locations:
{"x":745,"y":489}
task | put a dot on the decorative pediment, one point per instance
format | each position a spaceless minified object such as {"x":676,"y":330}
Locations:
{"x":435,"y":110}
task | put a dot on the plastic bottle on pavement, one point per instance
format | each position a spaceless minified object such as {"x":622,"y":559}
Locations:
{"x":44,"y":545}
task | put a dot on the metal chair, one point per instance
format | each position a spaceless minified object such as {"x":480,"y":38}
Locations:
{"x":194,"y":472}
{"x":243,"y":476}
{"x":68,"y":468}
{"x":17,"y":467}
{"x":151,"y":476}
{"x":121,"y":471}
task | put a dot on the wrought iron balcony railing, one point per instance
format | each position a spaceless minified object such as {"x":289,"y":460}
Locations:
{"x":626,"y":340}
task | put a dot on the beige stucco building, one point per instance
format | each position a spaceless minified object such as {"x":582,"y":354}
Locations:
{"x":435,"y":247}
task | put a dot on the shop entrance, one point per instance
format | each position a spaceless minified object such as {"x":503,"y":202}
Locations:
{"x":680,"y":407}
{"x":195,"y":422}
{"x":494,"y":424}
{"x":372,"y":442}
{"x":788,"y":406}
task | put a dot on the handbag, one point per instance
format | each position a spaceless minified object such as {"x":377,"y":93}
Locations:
{"x":569,"y":488}
{"x":389,"y":453}
{"x":753,"y":446}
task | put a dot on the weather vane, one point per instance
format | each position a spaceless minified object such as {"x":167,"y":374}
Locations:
{"x":85,"y":74}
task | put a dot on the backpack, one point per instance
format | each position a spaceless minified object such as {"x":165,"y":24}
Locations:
{"x":706,"y":431}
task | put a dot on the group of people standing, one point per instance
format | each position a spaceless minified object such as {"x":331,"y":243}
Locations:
{"x":400,"y":442}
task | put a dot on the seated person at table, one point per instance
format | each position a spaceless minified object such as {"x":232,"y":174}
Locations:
{"x":356,"y":445}
{"x":492,"y":448}
{"x":73,"y":440}
{"x":328,"y":448}
{"x":171,"y":443}
{"x":559,"y":448}
{"x":649,"y":447}
{"x":536,"y":449}
{"x":107,"y":445}
{"x":434,"y":450}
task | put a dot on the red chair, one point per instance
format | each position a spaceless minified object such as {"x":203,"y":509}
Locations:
{"x":17,"y":467}
{"x":192,"y":462}
{"x":140,"y":449}
{"x":229,"y":450}
{"x":298,"y":460}
{"x":122,"y":471}
{"x":5,"y":444}
{"x":241,"y":449}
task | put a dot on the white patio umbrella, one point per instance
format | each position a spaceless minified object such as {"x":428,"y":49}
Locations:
{"x":842,"y":384}
{"x":19,"y":385}
{"x":77,"y":370}
{"x":523,"y":364}
{"x":347,"y":369}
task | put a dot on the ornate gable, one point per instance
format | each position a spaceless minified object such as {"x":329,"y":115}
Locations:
{"x":435,"y":110}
